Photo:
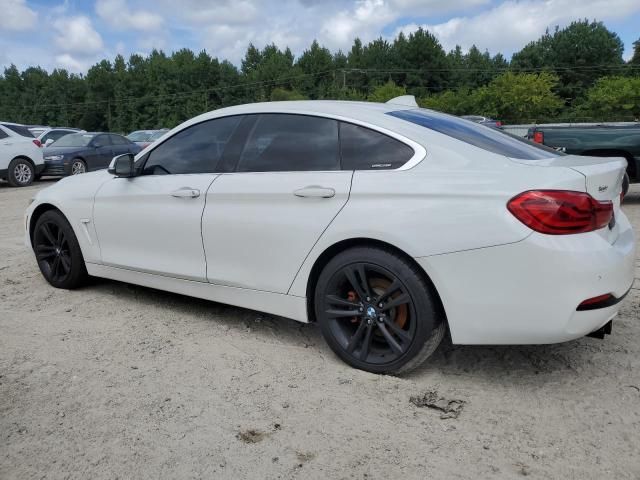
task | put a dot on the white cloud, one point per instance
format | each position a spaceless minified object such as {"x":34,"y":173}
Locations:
{"x":71,"y":63}
{"x":118,"y":14}
{"x":15,"y":15}
{"x":77,"y":35}
{"x":511,"y":25}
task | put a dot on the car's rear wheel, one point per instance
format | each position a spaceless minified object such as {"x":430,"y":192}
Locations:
{"x":78,"y":166}
{"x":376,"y":311}
{"x":20,"y":173}
{"x":58,"y":251}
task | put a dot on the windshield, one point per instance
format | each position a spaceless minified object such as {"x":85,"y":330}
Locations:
{"x":74,"y":140}
{"x":139,"y":136}
{"x":478,"y":135}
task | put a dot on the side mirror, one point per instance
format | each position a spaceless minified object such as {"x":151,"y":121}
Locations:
{"x":122,"y":166}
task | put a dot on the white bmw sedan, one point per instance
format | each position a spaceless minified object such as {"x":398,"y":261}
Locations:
{"x":386,"y":224}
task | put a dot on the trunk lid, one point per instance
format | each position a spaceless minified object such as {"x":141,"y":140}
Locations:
{"x":603,"y":175}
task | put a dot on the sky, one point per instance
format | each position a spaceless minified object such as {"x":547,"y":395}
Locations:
{"x":75,"y":34}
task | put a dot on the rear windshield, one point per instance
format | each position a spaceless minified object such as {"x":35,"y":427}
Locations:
{"x":74,"y":140}
{"x":481,"y":136}
{"x":19,"y":129}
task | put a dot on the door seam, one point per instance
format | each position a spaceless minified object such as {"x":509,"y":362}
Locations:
{"x":322,"y":233}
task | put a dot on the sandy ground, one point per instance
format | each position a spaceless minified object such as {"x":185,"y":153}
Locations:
{"x":119,"y":381}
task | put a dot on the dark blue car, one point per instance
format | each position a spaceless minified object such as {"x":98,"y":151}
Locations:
{"x":84,"y":152}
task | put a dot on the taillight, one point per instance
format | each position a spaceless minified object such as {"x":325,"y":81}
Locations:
{"x":37,"y":142}
{"x":538,"y":137}
{"x":560,"y":212}
{"x":498,"y":123}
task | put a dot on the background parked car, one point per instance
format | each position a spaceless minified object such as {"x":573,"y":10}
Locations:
{"x":36,"y":130}
{"x":154,"y":136}
{"x":50,"y":135}
{"x":84,"y":152}
{"x":489,"y":122}
{"x":20,"y":155}
{"x":146,"y":137}
{"x":595,"y":141}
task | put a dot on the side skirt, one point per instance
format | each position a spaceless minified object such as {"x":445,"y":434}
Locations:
{"x":283,"y":305}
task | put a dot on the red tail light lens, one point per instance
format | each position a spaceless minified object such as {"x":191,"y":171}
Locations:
{"x":37,"y":142}
{"x":560,"y":212}
{"x":498,"y":123}
{"x":538,"y":137}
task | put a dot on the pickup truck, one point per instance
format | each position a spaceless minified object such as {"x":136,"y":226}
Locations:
{"x":594,"y":140}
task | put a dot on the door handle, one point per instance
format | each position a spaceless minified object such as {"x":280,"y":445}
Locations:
{"x":315,"y":191}
{"x":186,"y":192}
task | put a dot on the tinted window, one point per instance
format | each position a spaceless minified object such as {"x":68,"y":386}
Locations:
{"x":118,"y":140}
{"x":54,"y":135}
{"x":2,"y":134}
{"x":478,"y":135}
{"x":280,"y":142}
{"x":75,"y":140}
{"x":19,"y":129}
{"x":196,"y":149}
{"x":102,"y":140}
{"x":364,"y":149}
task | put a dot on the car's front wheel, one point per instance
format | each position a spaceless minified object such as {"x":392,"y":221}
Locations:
{"x":20,"y":173}
{"x":58,"y":251}
{"x":78,"y":166}
{"x":376,"y":311}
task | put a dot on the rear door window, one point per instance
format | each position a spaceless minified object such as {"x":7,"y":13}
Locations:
{"x":365,"y":149}
{"x":477,"y":135}
{"x":286,"y":143}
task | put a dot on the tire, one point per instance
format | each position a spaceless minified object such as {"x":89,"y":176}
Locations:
{"x":78,"y":166}
{"x":58,"y":252}
{"x":21,"y":172}
{"x":390,"y":324}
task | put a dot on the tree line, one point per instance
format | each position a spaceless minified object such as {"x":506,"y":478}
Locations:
{"x":572,"y":74}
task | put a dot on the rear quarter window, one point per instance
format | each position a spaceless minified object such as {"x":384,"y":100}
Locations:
{"x":365,"y":149}
{"x":487,"y":138}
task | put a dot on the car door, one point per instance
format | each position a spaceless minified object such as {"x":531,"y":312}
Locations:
{"x":101,"y":152}
{"x":262,"y":219}
{"x":152,"y":222}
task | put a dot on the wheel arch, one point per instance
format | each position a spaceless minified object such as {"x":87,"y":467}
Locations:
{"x":331,"y":251}
{"x":37,"y":213}
{"x":24,"y":157}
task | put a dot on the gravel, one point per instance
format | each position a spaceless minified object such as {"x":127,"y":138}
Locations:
{"x":119,"y":381}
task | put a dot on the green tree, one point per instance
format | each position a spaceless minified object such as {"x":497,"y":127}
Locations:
{"x":386,"y":92}
{"x":635,"y":59}
{"x":613,"y":99}
{"x":579,"y":54}
{"x":518,"y":97}
{"x":280,"y":94}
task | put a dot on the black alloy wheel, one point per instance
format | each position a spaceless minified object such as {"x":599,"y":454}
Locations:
{"x":376,"y":311}
{"x":58,"y":252}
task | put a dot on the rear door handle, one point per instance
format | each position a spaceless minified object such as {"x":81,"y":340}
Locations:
{"x":186,"y":192}
{"x":315,"y":191}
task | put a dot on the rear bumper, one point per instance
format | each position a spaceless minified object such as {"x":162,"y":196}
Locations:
{"x":528,"y":292}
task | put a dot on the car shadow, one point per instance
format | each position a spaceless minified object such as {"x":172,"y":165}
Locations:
{"x":497,"y":365}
